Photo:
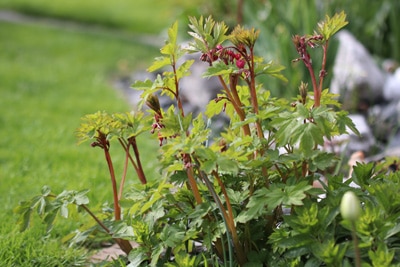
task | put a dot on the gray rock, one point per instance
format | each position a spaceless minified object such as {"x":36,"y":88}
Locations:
{"x":384,"y":120}
{"x":195,"y":90}
{"x":391,"y":88}
{"x":356,"y":76}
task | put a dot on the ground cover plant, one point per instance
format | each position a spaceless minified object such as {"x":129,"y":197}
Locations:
{"x":244,"y":197}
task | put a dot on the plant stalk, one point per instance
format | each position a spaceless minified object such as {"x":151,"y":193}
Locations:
{"x":193,"y":185}
{"x":121,"y":186}
{"x":140,"y":172}
{"x":230,"y":224}
{"x":355,"y":243}
{"x":117,"y":209}
{"x":237,"y":105}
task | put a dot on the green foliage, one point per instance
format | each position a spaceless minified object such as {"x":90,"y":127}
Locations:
{"x":330,"y":26}
{"x":207,"y":33}
{"x":49,"y":206}
{"x":245,"y":197}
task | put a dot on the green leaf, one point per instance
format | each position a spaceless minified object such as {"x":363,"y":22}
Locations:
{"x":172,"y":236}
{"x":227,"y":165}
{"x":81,"y":198}
{"x":219,"y":68}
{"x":287,"y":125}
{"x":183,"y":70}
{"x":46,"y":190}
{"x":183,"y":259}
{"x":158,"y":63}
{"x":207,"y":33}
{"x":154,"y":198}
{"x":42,"y":206}
{"x":142,"y":85}
{"x":322,"y":161}
{"x":271,"y":69}
{"x":217,"y":107}
{"x":300,"y":240}
{"x":132,"y":124}
{"x":64,"y":210}
{"x":24,"y":219}
{"x":287,"y":194}
{"x":393,"y":231}
{"x":155,"y":254}
{"x":297,"y":252}
{"x":344,"y":123}
{"x":256,"y":206}
{"x":49,"y":220}
{"x":171,"y":46}
{"x":362,"y":173}
{"x":330,"y":26}
{"x":381,"y":256}
{"x":303,"y":111}
{"x":311,"y":137}
{"x":137,"y":256}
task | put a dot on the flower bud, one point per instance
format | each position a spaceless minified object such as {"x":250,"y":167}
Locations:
{"x":350,"y":206}
{"x":153,"y":103}
{"x":240,"y":63}
{"x":303,"y":89}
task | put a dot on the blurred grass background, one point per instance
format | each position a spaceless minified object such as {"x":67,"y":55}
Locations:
{"x":51,"y":76}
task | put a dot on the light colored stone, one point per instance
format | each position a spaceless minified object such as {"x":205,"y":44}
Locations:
{"x":356,"y":75}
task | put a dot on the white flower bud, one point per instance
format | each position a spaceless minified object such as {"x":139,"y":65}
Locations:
{"x":350,"y":206}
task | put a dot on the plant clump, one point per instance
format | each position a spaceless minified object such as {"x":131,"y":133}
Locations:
{"x":245,"y":197}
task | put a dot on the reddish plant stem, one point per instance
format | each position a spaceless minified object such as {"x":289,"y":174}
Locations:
{"x":193,"y":185}
{"x":237,"y":104}
{"x":228,"y":202}
{"x":317,"y":95}
{"x":102,"y":225}
{"x":121,"y":186}
{"x":124,"y":145}
{"x":122,"y":243}
{"x":105,"y":146}
{"x":253,"y":93}
{"x":322,"y":73}
{"x":140,"y":172}
{"x":254,"y":103}
{"x":232,"y":95}
{"x":96,"y":219}
{"x":229,"y":221}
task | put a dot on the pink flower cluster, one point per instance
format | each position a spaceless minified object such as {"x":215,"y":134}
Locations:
{"x":228,"y":56}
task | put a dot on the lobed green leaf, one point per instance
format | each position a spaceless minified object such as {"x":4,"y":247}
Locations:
{"x":330,"y":26}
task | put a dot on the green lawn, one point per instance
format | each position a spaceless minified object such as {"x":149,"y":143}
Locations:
{"x":139,"y":16}
{"x":49,"y":79}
